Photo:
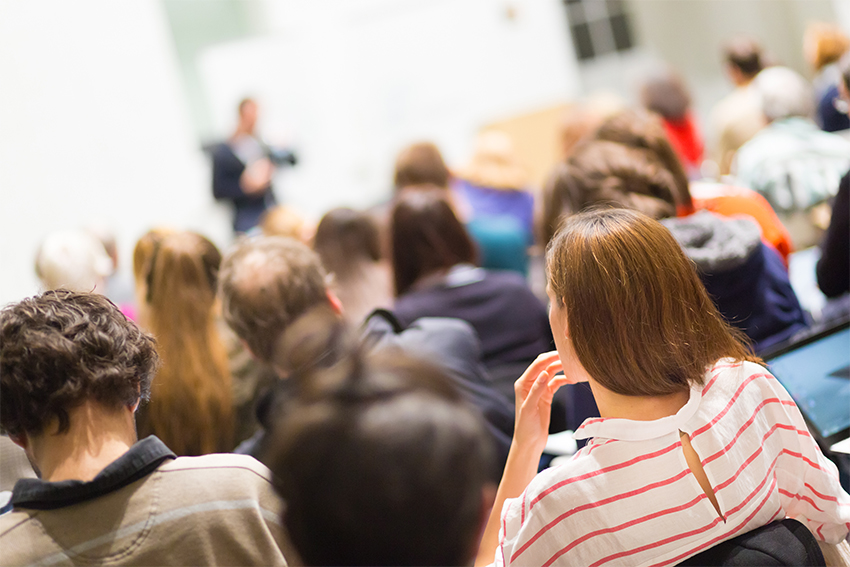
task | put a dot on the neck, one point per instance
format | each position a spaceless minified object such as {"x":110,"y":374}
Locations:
{"x":243,"y":131}
{"x":637,"y":408}
{"x":97,"y":436}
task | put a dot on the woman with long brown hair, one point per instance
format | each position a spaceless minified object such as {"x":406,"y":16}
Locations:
{"x":190,"y":408}
{"x":697,"y":442}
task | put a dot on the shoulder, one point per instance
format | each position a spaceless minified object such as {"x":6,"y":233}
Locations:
{"x":11,"y":522}
{"x":728,"y":378}
{"x":243,"y":468}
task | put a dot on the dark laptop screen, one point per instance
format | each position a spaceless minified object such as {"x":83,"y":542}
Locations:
{"x":817,"y":375}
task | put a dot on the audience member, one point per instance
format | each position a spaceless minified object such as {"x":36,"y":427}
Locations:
{"x":746,"y":278}
{"x":494,"y":187}
{"x":643,"y":130}
{"x":267,"y":283}
{"x":791,"y":162}
{"x":348,"y":242}
{"x":833,"y":268}
{"x":823,"y":46}
{"x":379,"y":461}
{"x":73,"y":259}
{"x":500,"y":235}
{"x":435,"y":276}
{"x":420,"y":164}
{"x":697,"y":442}
{"x":286,"y":221}
{"x":665,"y":93}
{"x":191,"y":407}
{"x":72,"y":372}
{"x":738,"y":116}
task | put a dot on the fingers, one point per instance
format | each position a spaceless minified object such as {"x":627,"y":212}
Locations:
{"x":539,"y":390}
{"x":540,"y":364}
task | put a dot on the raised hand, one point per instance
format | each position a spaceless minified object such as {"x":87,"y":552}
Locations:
{"x":534,"y":391}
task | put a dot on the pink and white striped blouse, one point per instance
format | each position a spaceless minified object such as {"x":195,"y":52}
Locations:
{"x":629,"y":498}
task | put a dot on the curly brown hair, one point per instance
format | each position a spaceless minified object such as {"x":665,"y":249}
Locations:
{"x":61,"y":348}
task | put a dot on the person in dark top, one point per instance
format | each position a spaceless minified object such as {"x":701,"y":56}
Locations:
{"x":243,"y":168}
{"x":267,"y":284}
{"x":833,"y":268}
{"x":435,"y":276}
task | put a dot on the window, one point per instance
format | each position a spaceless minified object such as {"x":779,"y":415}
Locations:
{"x":599,"y":27}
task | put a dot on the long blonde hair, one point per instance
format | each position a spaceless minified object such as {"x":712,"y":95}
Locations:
{"x":191,"y":406}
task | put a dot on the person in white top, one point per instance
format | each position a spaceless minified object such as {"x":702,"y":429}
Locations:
{"x":697,"y":442}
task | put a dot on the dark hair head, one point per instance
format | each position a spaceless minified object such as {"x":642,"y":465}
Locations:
{"x":641,"y":129}
{"x":265,"y":284}
{"x":421,"y":163}
{"x":744,"y":54}
{"x":379,"y":461}
{"x":628,"y":288}
{"x":607,"y":173}
{"x":346,"y":237}
{"x":62,"y":348}
{"x":665,"y":93}
{"x":426,"y":236}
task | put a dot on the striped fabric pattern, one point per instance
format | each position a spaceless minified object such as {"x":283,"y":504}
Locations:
{"x":629,"y":498}
{"x":209,"y":510}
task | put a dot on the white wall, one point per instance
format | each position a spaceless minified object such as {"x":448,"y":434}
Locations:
{"x":96,"y":130}
{"x":93,"y":130}
{"x":350,"y":83}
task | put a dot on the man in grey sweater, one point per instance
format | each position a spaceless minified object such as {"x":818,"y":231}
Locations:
{"x":73,"y":370}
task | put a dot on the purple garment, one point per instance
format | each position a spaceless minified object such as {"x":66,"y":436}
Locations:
{"x":487,"y":202}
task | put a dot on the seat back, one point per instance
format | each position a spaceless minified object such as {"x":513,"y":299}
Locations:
{"x":785,"y":542}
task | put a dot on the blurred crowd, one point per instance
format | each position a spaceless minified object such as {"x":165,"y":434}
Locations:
{"x":451,"y":269}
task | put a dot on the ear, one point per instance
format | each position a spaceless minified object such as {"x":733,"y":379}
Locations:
{"x":336,"y":304}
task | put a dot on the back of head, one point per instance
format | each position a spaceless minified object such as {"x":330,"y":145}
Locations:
{"x":62,"y":348}
{"x":824,"y":44}
{"x":628,"y":288}
{"x":426,"y":236}
{"x":72,"y":259}
{"x":607,"y":173}
{"x":345,"y":238}
{"x":784,"y":93}
{"x":283,"y":221}
{"x":664,"y":92}
{"x":191,"y":403}
{"x":380,"y":462}
{"x":181,"y":279}
{"x":420,"y":163}
{"x":640,"y":129}
{"x":745,"y":55}
{"x":265,"y":284}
